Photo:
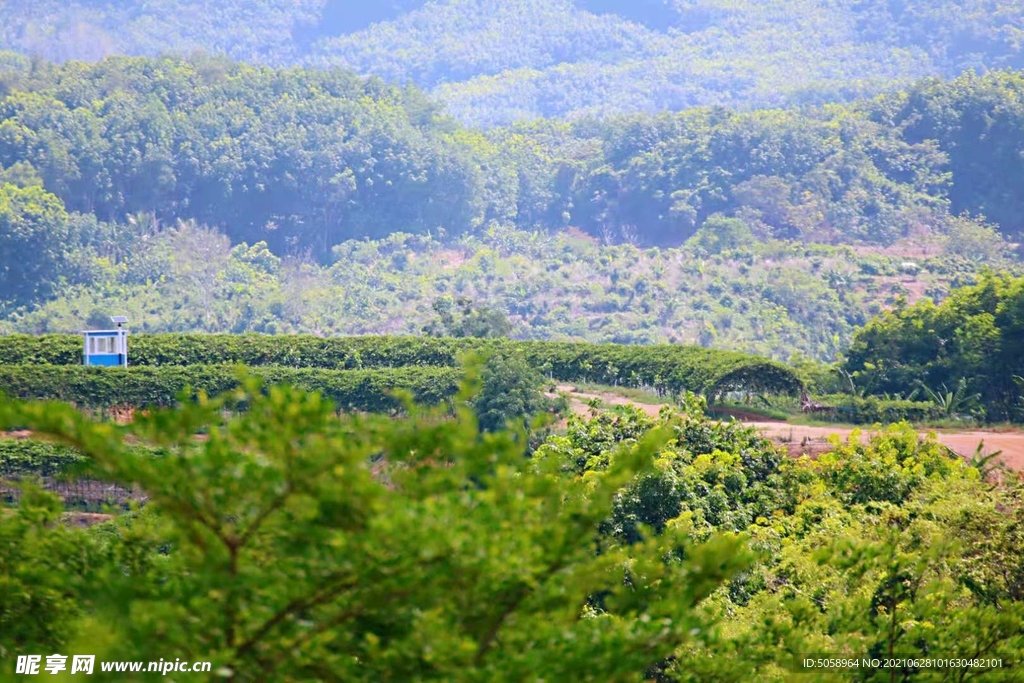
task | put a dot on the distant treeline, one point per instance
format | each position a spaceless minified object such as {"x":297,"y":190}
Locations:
{"x":496,"y":62}
{"x":101,"y":163}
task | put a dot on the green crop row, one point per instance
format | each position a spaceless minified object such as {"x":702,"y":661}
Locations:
{"x":297,"y":351}
{"x":666,"y":368}
{"x":28,"y":456}
{"x":89,"y":387}
{"x":31,"y":456}
{"x":56,"y":464}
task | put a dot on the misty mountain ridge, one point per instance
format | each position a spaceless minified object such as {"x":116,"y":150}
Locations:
{"x":493,"y":62}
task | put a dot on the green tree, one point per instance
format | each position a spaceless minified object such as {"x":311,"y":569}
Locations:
{"x":463,"y":318}
{"x":34,"y":244}
{"x":511,"y":394}
{"x":970,"y":344}
{"x":719,"y":234}
{"x":45,"y":566}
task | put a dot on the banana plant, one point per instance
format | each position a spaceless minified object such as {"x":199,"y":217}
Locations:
{"x":853,"y":389}
{"x":951,"y":403}
{"x":985,"y":464}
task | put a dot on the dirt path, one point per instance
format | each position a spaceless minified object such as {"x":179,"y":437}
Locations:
{"x":813,"y":440}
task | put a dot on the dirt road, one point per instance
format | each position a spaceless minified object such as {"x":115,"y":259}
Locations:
{"x":813,"y":440}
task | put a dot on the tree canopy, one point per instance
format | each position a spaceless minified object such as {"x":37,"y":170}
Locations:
{"x":34,"y":238}
{"x":970,"y":344}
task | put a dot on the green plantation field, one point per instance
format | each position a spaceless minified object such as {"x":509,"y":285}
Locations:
{"x":141,"y":387}
{"x":354,"y":374}
{"x":355,"y":371}
{"x":273,"y":506}
{"x":27,"y":456}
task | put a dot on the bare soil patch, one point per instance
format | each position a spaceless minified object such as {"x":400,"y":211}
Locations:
{"x":813,"y":440}
{"x":85,"y":519}
{"x":449,"y":259}
{"x":744,"y":416}
{"x":578,"y":402}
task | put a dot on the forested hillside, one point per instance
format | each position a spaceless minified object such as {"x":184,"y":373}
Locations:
{"x":204,"y":194}
{"x":494,"y":61}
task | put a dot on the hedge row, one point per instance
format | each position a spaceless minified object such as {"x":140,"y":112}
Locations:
{"x":296,"y":351}
{"x":22,"y":459}
{"x":666,"y":368}
{"x":89,"y":387}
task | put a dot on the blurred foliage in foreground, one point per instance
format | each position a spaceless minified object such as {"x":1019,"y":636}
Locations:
{"x":291,"y":544}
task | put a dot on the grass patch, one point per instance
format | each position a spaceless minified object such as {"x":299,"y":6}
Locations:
{"x":721,"y":410}
{"x":635,"y":395}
